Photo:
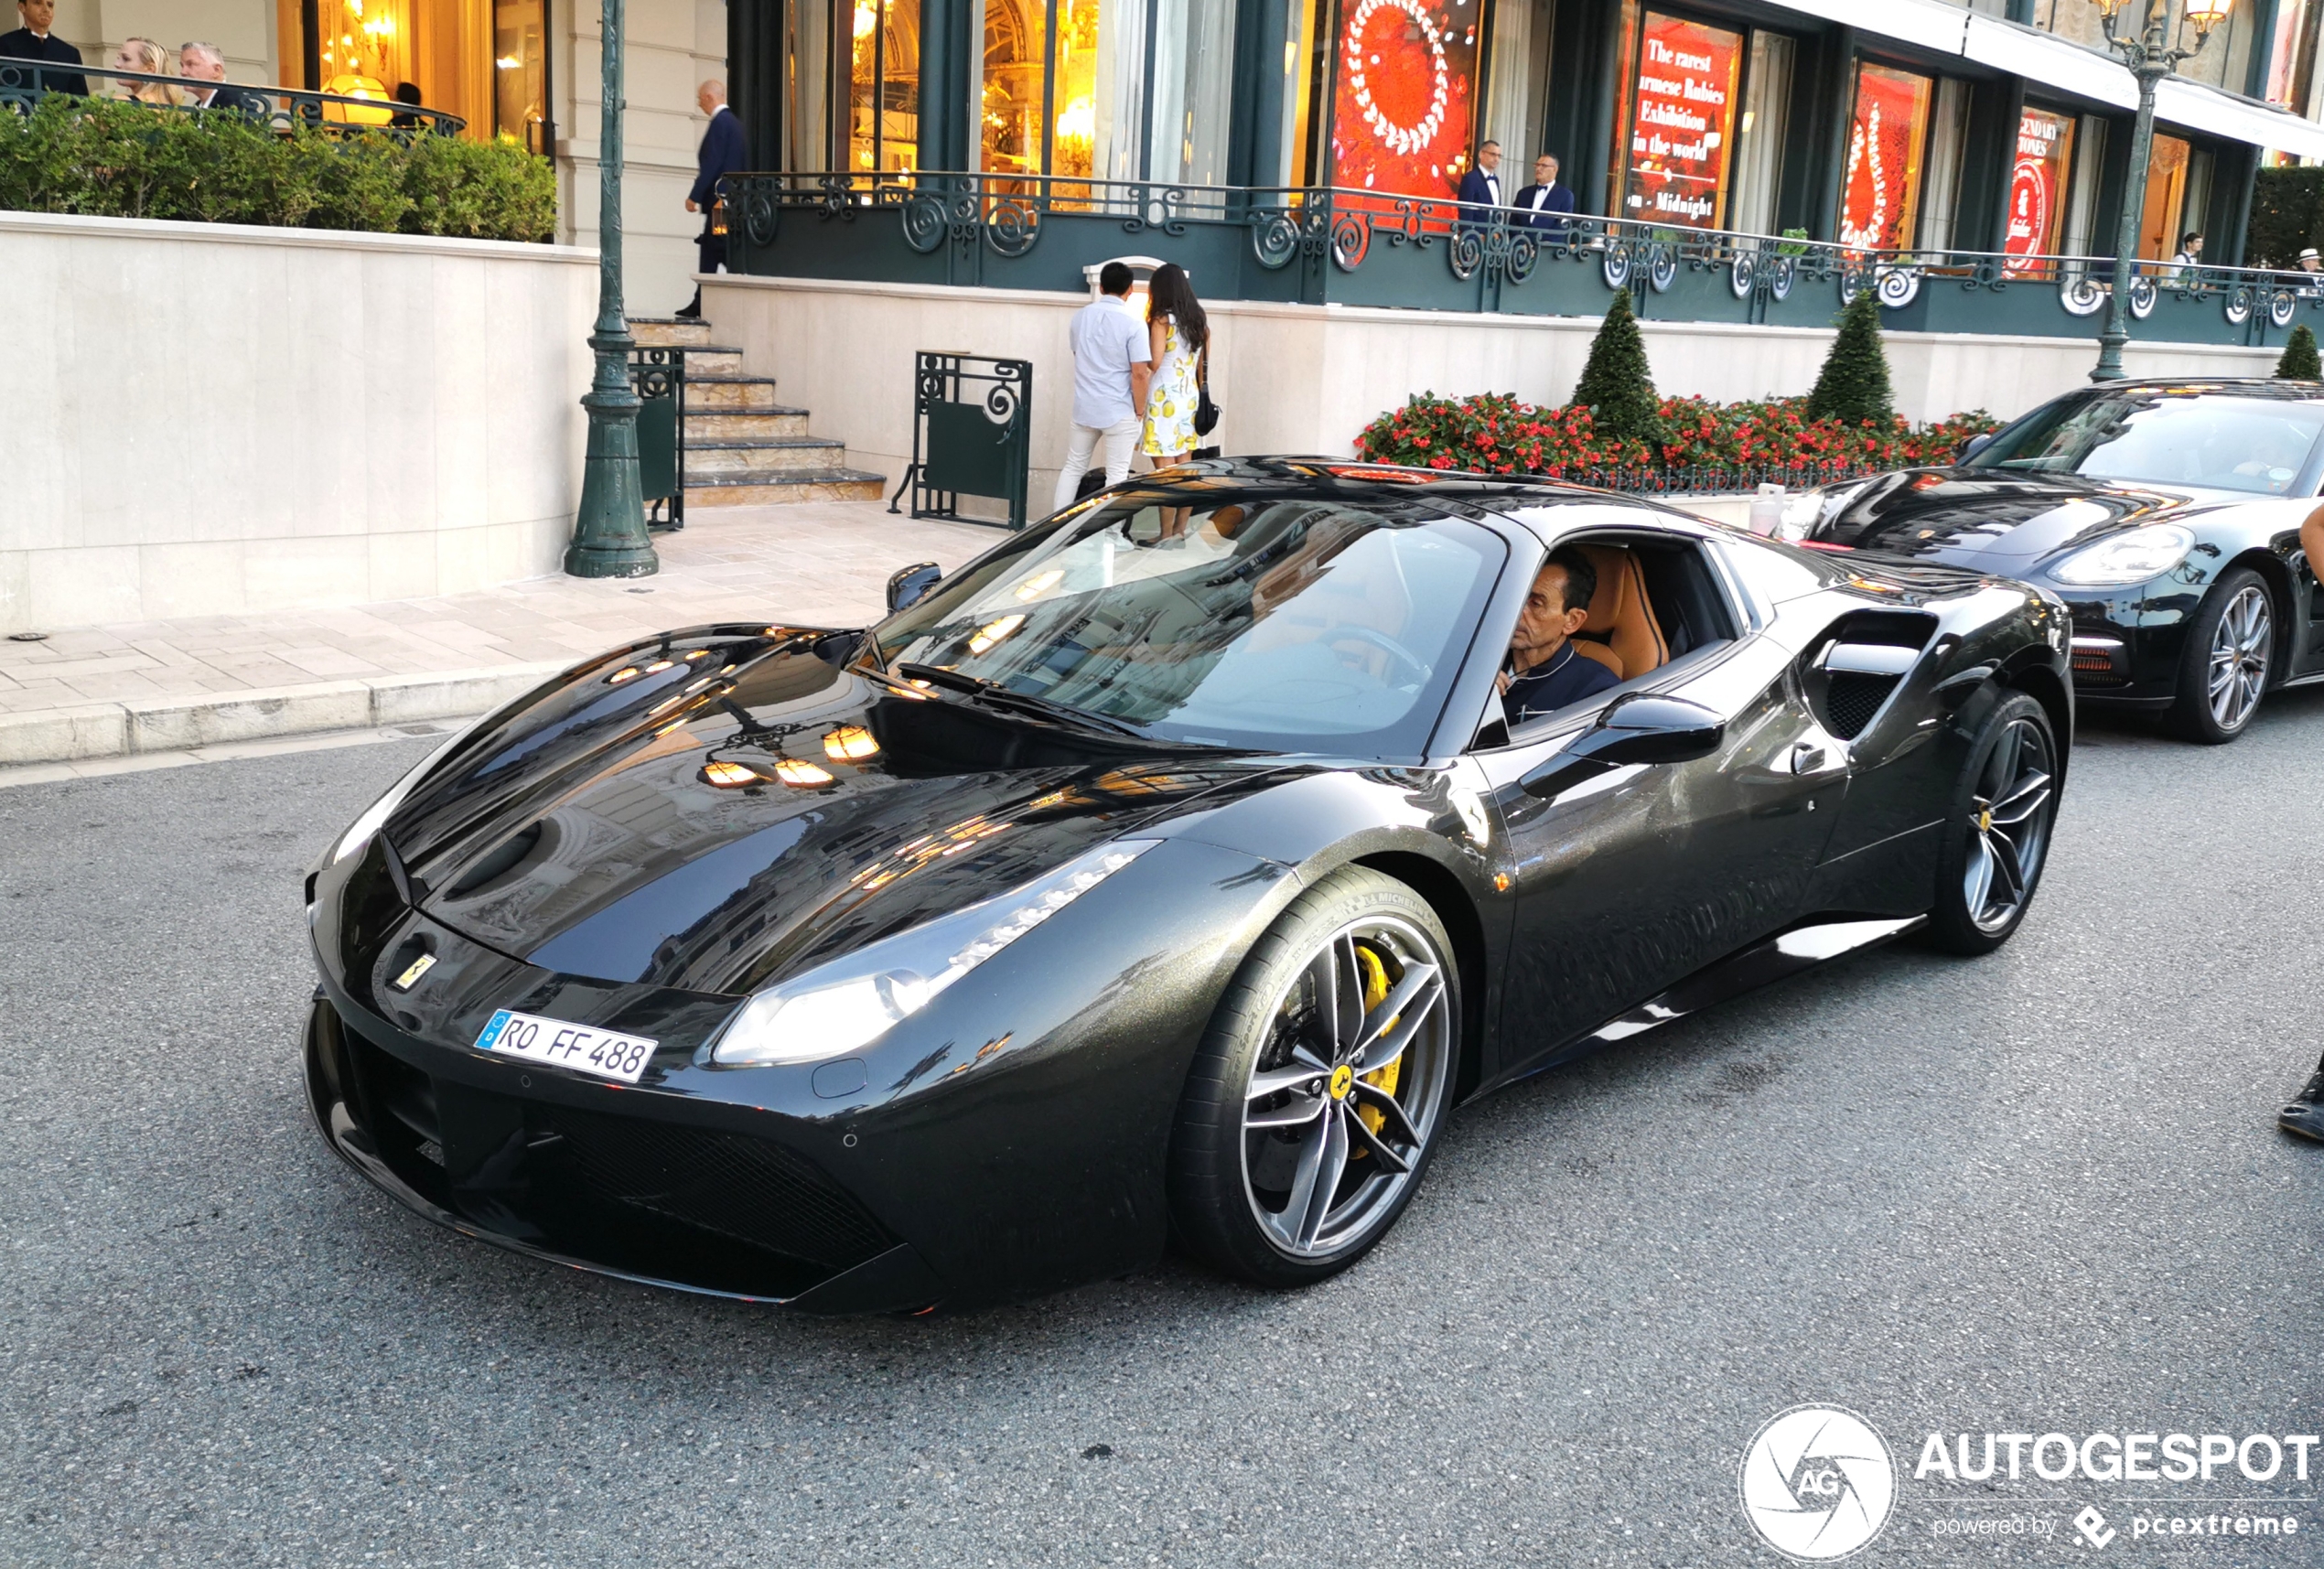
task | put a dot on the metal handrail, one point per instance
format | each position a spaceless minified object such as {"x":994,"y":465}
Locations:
{"x":24,"y":84}
{"x":1006,"y":212}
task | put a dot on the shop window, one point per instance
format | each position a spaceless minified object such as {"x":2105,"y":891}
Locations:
{"x":1759,"y":136}
{"x":807,"y":85}
{"x":366,"y":48}
{"x":883,"y":87}
{"x":521,"y":71}
{"x":2158,"y":216}
{"x":1061,"y":88}
{"x":1191,"y":90}
{"x":2038,"y":190}
{"x":2081,"y":198}
{"x":1681,"y":123}
{"x":1948,"y":146}
{"x":1880,"y":193}
{"x":1404,"y":101}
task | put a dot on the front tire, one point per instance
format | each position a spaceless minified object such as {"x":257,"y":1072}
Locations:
{"x":2230,"y":653}
{"x":1996,"y":829}
{"x":1317,"y":1096}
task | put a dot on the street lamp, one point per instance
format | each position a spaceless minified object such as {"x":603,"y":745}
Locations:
{"x":609,"y":537}
{"x":2148,"y":53}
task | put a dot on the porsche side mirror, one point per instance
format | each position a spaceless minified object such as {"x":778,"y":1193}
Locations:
{"x":1639,"y":728}
{"x":911,"y":584}
{"x":1974,"y":445}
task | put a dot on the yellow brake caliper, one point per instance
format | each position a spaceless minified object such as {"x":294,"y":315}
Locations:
{"x":1375,"y":992}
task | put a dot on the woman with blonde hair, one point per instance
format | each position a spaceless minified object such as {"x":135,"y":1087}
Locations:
{"x":144,"y":55}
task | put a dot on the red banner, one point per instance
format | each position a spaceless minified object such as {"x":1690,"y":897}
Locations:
{"x":1404,"y":107}
{"x":1682,"y":130}
{"x":2037,"y":184}
{"x":1882,"y":193}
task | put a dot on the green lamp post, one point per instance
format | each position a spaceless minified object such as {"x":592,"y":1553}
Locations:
{"x":609,"y":537}
{"x":2148,"y":52}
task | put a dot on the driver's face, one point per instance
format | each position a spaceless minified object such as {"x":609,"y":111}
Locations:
{"x":1544,"y":624}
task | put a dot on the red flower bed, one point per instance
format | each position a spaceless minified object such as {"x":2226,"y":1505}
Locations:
{"x":1492,"y":433}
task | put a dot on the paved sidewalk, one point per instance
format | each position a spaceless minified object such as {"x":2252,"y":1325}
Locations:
{"x":153,"y":686}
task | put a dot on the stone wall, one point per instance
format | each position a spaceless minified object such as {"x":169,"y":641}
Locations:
{"x":210,"y":419}
{"x":1306,"y":379}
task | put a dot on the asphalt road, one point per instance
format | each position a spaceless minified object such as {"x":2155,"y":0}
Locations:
{"x":2037,"y":1192}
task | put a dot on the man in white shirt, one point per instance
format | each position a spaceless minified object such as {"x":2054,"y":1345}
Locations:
{"x":1480,"y":187}
{"x":1113,"y":366}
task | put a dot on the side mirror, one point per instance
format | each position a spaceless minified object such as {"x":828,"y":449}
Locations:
{"x":1974,"y":445}
{"x":1639,"y":728}
{"x":911,"y":584}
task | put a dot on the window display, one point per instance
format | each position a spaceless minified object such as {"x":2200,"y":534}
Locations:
{"x":2037,"y":187}
{"x":1880,"y":189}
{"x":1404,"y":106}
{"x":1682,"y":129}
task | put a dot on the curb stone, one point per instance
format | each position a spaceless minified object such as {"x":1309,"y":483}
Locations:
{"x":182,"y":724}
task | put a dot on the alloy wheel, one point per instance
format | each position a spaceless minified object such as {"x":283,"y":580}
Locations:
{"x":1359,"y":1037}
{"x":2008,"y":825}
{"x":2242,"y":644}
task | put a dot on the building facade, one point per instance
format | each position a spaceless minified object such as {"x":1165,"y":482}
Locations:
{"x":522,"y":69}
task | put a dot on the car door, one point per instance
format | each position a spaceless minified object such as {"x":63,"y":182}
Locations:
{"x":1627,"y":881}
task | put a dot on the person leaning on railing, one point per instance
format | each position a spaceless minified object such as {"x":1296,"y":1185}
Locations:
{"x":149,"y":58}
{"x":34,"y":41}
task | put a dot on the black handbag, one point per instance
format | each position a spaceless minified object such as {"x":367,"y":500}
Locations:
{"x":1206,"y":413}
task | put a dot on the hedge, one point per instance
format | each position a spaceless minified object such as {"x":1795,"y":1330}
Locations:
{"x":105,"y":159}
{"x":1492,"y":433}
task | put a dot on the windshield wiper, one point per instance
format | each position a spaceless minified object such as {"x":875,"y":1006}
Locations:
{"x":999,"y":696}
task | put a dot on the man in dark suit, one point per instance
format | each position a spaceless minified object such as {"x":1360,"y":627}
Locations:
{"x":34,"y":41}
{"x":721,"y":154}
{"x":1480,"y":187}
{"x":1544,"y":204}
{"x":1545,"y":671}
{"x":203,"y":64}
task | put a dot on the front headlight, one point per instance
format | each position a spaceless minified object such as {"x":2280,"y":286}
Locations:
{"x":2133,"y":557}
{"x":359,"y":833}
{"x":846,"y":1004}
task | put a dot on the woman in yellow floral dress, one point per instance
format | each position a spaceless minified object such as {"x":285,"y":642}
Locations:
{"x":1179,"y":334}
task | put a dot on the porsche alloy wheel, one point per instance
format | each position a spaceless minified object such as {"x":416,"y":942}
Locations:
{"x":1313,"y":1106}
{"x":1999,"y":840}
{"x":2231,"y":647}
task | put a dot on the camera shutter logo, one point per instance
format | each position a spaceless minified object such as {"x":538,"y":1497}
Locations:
{"x":1817,"y":1483}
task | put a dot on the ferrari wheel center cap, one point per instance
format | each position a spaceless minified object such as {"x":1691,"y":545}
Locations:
{"x":1342,"y":1078}
{"x":1984,"y":820}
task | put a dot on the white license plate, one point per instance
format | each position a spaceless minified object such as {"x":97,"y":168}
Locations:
{"x":581,"y":1047}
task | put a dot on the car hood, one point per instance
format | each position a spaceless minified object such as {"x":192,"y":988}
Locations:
{"x":1999,"y":520}
{"x":583,"y":834}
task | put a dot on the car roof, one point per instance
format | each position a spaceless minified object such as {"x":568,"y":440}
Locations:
{"x":1356,"y":478}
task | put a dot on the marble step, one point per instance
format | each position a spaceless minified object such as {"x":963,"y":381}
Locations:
{"x":782,"y":453}
{"x":736,"y":393}
{"x":778,"y":486}
{"x":668,"y":331}
{"x":708,"y":428}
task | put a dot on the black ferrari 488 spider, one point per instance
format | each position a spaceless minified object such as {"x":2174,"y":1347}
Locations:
{"x":1173,"y":868}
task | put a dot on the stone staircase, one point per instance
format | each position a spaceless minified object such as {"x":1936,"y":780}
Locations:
{"x":743,"y":448}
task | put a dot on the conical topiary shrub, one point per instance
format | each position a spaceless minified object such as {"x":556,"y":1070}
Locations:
{"x":2299,"y":362}
{"x":1617,"y":386}
{"x":1853,"y":385}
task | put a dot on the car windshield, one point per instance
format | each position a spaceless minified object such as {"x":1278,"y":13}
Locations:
{"x":1275,"y":624}
{"x":2217,"y":440}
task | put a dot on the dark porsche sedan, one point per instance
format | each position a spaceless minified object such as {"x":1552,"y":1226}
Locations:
{"x":1173,"y":868}
{"x":2167,"y":515}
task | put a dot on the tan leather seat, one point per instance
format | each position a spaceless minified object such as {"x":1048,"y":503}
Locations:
{"x":1622,"y":632}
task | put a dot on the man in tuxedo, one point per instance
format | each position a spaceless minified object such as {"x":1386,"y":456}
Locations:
{"x":34,"y":41}
{"x":201,"y":63}
{"x":1544,"y":204}
{"x":1480,"y":187}
{"x":721,"y":154}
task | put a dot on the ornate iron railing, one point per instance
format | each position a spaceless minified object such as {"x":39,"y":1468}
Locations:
{"x":1369,"y":248}
{"x":23,"y":83}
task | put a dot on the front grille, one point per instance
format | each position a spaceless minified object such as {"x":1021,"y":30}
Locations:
{"x":728,"y":1184}
{"x":1852,"y":700}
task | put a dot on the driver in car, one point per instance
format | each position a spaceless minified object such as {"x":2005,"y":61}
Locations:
{"x":1544,"y":674}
